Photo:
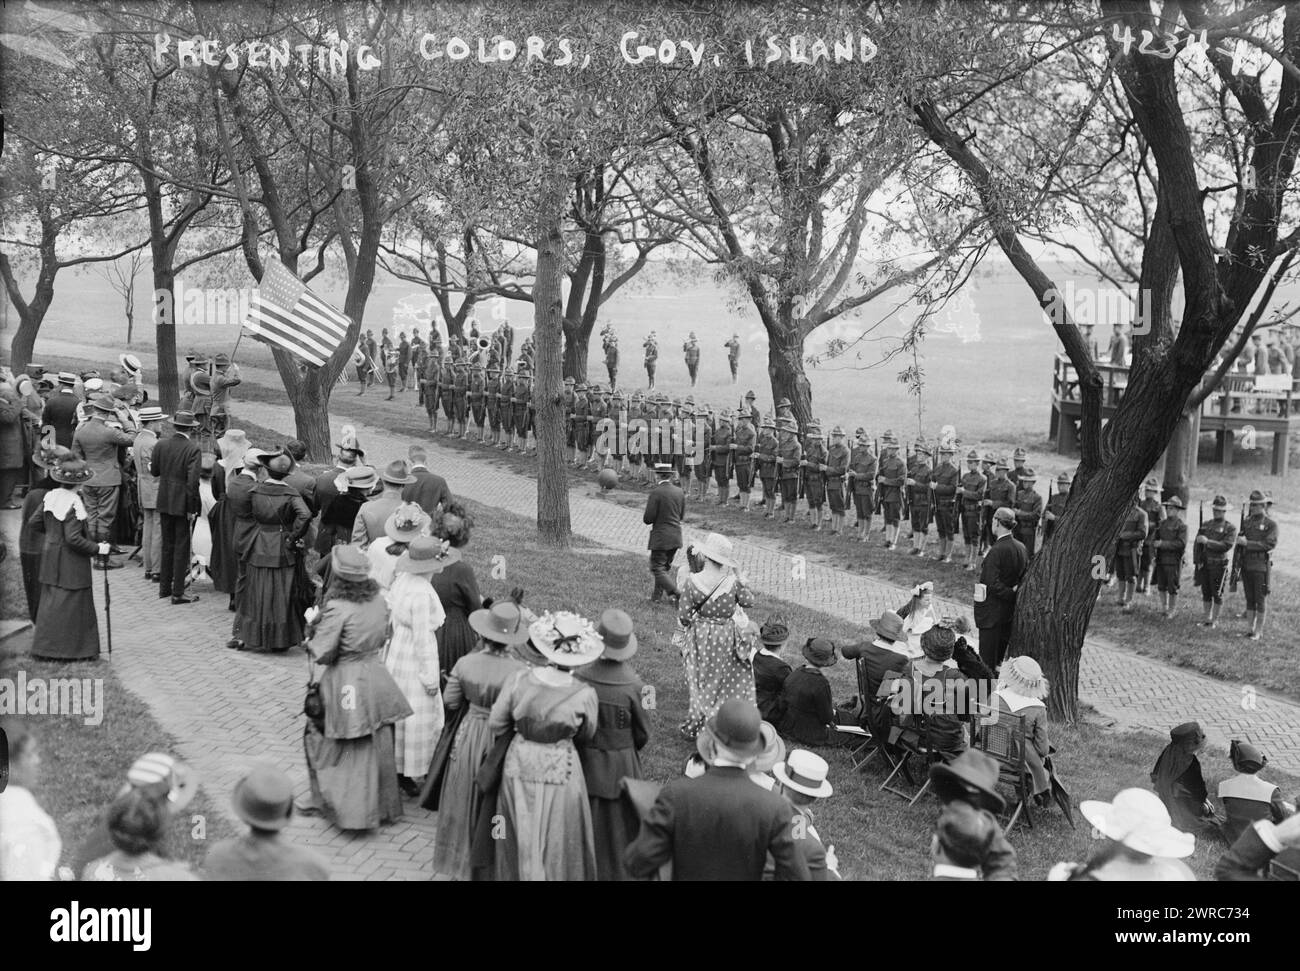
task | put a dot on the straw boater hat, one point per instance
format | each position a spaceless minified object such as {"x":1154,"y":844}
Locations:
{"x":717,"y":548}
{"x":804,"y":772}
{"x":1138,"y":820}
{"x":1023,"y":676}
{"x":971,"y":777}
{"x":426,"y":556}
{"x":164,"y":777}
{"x":349,"y":563}
{"x":503,"y":623}
{"x":566,"y":639}
{"x":263,"y":798}
{"x":151,"y":413}
{"x":617,"y":633}
{"x":72,"y":472}
{"x":130,"y":363}
{"x":406,"y":522}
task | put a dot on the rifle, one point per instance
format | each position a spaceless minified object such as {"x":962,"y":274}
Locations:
{"x":876,"y":485}
{"x":1236,"y":560}
{"x":907,"y":474}
{"x":1198,"y":549}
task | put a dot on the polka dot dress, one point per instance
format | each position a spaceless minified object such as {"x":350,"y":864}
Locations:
{"x":714,"y":671}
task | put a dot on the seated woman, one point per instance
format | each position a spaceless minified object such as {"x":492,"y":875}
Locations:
{"x":770,"y":669}
{"x":1245,"y":796}
{"x":935,"y":695}
{"x":807,"y":710}
{"x":1178,"y":782}
{"x":1021,"y":690}
{"x":919,"y":615}
{"x":1140,"y":843}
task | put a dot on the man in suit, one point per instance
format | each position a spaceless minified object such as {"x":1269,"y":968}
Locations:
{"x":176,"y":461}
{"x":349,"y":455}
{"x":151,"y":419}
{"x":98,"y":443}
{"x":995,"y":595}
{"x":664,"y":509}
{"x":374,"y":513}
{"x":59,"y":416}
{"x":801,"y":779}
{"x":720,"y":826}
{"x":428,"y":491}
{"x":264,"y":800}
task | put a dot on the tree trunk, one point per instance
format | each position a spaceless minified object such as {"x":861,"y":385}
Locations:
{"x":31,"y":315}
{"x":553,"y":526}
{"x":1178,"y":460}
{"x":311,"y":418}
{"x":785,"y":367}
{"x":164,"y":281}
{"x":20,"y":351}
{"x":576,"y":339}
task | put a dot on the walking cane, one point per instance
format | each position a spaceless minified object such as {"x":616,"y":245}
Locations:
{"x":108,"y":609}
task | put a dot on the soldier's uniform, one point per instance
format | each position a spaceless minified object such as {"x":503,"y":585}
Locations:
{"x":973,"y":485}
{"x":750,"y":402}
{"x":892,"y":476}
{"x":744,"y":437}
{"x":837,"y":467}
{"x":492,"y":401}
{"x":862,"y":469}
{"x":945,"y":481}
{"x":1155,"y":511}
{"x":918,"y":497}
{"x":429,"y":385}
{"x":651,"y":358}
{"x":1001,"y":492}
{"x":1018,"y":459}
{"x":477,"y":406}
{"x":722,"y":457}
{"x":1028,"y":509}
{"x":1217,"y":537}
{"x":733,"y":355}
{"x":460,"y":391}
{"x":581,"y":423}
{"x":814,"y":475}
{"x":765,"y":451}
{"x":611,"y":362}
{"x":987,"y":469}
{"x":636,"y":434}
{"x":600,"y":425}
{"x":569,"y":397}
{"x":520,"y":398}
{"x":617,"y":425}
{"x":678,"y":438}
{"x":447,"y":392}
{"x":1128,"y":553}
{"x":789,"y":453}
{"x":1255,"y":546}
{"x":702,"y":449}
{"x":1056,"y":506}
{"x":1171,"y":537}
{"x":225,"y":376}
{"x":692,"y":351}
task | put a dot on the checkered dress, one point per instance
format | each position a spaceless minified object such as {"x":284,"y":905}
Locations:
{"x":412,"y":660}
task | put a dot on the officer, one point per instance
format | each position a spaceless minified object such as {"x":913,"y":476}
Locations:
{"x":891,"y":478}
{"x":765,"y":452}
{"x":814,"y":472}
{"x":430,"y":382}
{"x":1216,"y":537}
{"x":743,"y":439}
{"x":862,"y":481}
{"x":973,"y":485}
{"x":477,"y":404}
{"x":1169,"y":545}
{"x":837,"y":467}
{"x":1128,"y":552}
{"x":1001,"y":494}
{"x":1151,"y":505}
{"x":789,"y":453}
{"x":1255,"y":546}
{"x":944,"y":484}
{"x":651,"y":346}
{"x":722,"y":456}
{"x":1056,"y":506}
{"x":692,"y":351}
{"x":1018,"y":459}
{"x":1028,"y":509}
{"x":918,"y":497}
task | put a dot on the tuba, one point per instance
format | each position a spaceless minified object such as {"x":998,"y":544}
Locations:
{"x":201,"y":383}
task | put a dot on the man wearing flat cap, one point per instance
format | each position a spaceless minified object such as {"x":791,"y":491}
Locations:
{"x":1001,"y":574}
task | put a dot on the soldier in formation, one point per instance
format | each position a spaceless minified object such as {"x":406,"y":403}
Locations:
{"x":973,"y":486}
{"x":918,"y":497}
{"x":691,"y":351}
{"x":651,"y":347}
{"x":1255,"y":547}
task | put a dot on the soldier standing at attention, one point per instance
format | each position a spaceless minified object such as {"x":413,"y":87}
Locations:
{"x":973,"y":485}
{"x":580,"y":415}
{"x":750,"y":402}
{"x":1018,"y":459}
{"x":636,"y":436}
{"x":403,"y":358}
{"x":814,"y":472}
{"x":784,"y":410}
{"x":722,"y":457}
{"x":943,"y":487}
{"x":1128,"y":552}
{"x":461,"y":391}
{"x":429,"y":385}
{"x":987,"y":468}
{"x":600,"y":408}
{"x":862,"y":476}
{"x":568,"y":397}
{"x":733,"y":355}
{"x":1217,"y":536}
{"x":1028,"y":509}
{"x":1001,"y":494}
{"x":765,"y":451}
{"x":891,"y":478}
{"x":477,"y":389}
{"x":447,"y":388}
{"x":1170,"y":543}
{"x":1150,"y":504}
{"x":1056,"y":506}
{"x":789,"y":453}
{"x":611,"y":360}
{"x":692,"y":351}
{"x":837,"y":466}
{"x":1254,"y":546}
{"x":492,"y":402}
{"x":918,"y":497}
{"x":702,"y":453}
{"x":651,"y":346}
{"x":743,"y":441}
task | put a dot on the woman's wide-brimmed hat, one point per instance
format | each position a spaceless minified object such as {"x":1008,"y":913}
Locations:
{"x":804,"y":772}
{"x":72,"y":472}
{"x":717,"y":548}
{"x":566,"y":639}
{"x":971,"y":776}
{"x":164,"y":777}
{"x":889,"y":625}
{"x":820,"y":652}
{"x":264,"y":798}
{"x":735,"y":731}
{"x":618,"y":634}
{"x":1138,"y":820}
{"x":277,"y":460}
{"x":407,"y":522}
{"x":504,"y":623}
{"x":348,"y":441}
{"x":1023,"y":676}
{"x":426,"y":556}
{"x":349,"y":563}
{"x":233,"y":444}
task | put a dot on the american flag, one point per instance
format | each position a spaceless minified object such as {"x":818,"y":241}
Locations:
{"x":287,"y":314}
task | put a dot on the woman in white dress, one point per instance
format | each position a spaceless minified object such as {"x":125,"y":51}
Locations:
{"x":919,"y":615}
{"x":201,"y":539}
{"x":407,"y":522}
{"x":412,"y":658}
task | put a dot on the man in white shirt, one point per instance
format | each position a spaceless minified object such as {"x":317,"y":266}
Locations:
{"x":29,"y":841}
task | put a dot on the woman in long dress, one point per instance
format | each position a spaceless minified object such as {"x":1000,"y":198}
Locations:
{"x":201,"y":540}
{"x":457,"y":588}
{"x":270,"y":614}
{"x":407,"y":522}
{"x":475,"y":683}
{"x":412,"y":657}
{"x":542,"y":802}
{"x":66,"y":625}
{"x":350,"y":755}
{"x":224,"y":567}
{"x":718,"y":660}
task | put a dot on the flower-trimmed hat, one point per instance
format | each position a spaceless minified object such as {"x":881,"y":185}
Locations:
{"x":72,"y":472}
{"x":426,"y":556}
{"x":566,"y":639}
{"x":1023,"y":676}
{"x":407,"y":522}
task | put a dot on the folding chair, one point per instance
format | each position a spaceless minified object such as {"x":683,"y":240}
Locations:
{"x":916,"y":743}
{"x":879,"y":718}
{"x":1002,"y":736}
{"x":1285,"y":866}
{"x":861,"y":732}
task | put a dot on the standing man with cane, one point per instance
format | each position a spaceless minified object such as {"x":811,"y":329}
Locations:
{"x":176,"y":462}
